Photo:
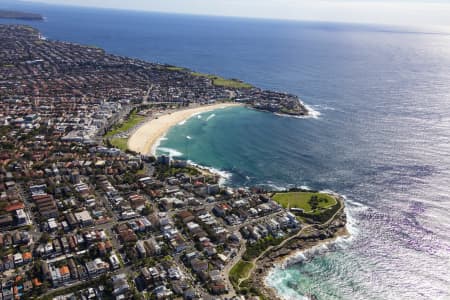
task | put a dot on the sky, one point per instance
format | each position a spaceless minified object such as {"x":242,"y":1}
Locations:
{"x":395,"y":12}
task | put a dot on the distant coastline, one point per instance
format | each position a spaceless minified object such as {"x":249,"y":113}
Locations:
{"x":20,"y":15}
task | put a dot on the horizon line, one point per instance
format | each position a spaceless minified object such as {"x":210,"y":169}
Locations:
{"x":401,"y":28}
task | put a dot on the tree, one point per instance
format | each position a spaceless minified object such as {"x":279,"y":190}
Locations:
{"x":148,"y":209}
{"x":45,"y":237}
{"x":137,"y":296}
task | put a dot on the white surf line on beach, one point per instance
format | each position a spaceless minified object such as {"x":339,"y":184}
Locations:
{"x":147,"y":137}
{"x":210,"y":117}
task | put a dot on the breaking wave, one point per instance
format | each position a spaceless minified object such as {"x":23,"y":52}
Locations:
{"x":169,"y":151}
{"x":224,"y":175}
{"x":210,"y":117}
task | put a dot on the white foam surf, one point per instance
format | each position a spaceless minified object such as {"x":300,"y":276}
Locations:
{"x":169,"y":151}
{"x":305,"y":187}
{"x":273,"y":278}
{"x":156,"y":145}
{"x":276,"y":279}
{"x":279,"y":188}
{"x":223,"y":175}
{"x":275,"y":187}
{"x":324,"y":107}
{"x":353,"y":207}
{"x":312,"y":113}
{"x":210,"y":117}
{"x":341,"y":242}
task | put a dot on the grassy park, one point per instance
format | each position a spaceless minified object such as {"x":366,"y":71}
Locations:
{"x":309,"y":202}
{"x":216,"y":80}
{"x":132,"y":120}
{"x":121,"y":143}
{"x":240,"y":270}
{"x":220,"y":81}
{"x":174,"y":68}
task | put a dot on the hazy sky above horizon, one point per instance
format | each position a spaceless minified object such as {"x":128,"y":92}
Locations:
{"x":397,"y":12}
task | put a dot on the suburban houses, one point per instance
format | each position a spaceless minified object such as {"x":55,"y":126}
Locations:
{"x":82,"y":219}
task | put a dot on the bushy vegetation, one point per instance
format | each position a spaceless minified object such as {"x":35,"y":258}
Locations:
{"x":255,"y":249}
{"x":240,"y":270}
{"x":246,"y":288}
{"x":321,"y":217}
{"x":165,"y":171}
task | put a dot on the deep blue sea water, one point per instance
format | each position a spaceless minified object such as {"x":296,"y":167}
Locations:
{"x":382,"y":138}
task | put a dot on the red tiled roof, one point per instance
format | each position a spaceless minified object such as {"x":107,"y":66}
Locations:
{"x":14,"y":206}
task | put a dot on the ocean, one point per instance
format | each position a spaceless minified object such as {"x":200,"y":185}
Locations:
{"x":381,"y":136}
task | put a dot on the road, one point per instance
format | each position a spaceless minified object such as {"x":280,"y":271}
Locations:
{"x":125,"y":270}
{"x":145,"y":98}
{"x":226,"y":271}
{"x":255,"y":260}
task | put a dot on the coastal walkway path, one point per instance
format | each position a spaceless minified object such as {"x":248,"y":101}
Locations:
{"x":270,"y":248}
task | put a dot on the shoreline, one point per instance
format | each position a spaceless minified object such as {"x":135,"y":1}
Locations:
{"x":145,"y":139}
{"x":291,"y":258}
{"x":291,"y":253}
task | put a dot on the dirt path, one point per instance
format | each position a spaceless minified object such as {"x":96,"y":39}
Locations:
{"x":256,"y":259}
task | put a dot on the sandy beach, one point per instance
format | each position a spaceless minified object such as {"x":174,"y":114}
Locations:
{"x":144,"y":139}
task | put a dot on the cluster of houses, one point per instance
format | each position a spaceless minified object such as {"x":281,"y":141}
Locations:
{"x":275,"y":102}
{"x":125,"y":209}
{"x":18,"y":259}
{"x":193,"y":220}
{"x":72,"y":209}
{"x":73,"y":243}
{"x":77,"y":90}
{"x":72,"y":271}
{"x":13,"y":209}
{"x":275,"y":226}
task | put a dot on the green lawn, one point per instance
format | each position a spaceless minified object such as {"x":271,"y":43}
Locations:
{"x":220,"y":81}
{"x":141,"y":172}
{"x":201,"y":74}
{"x":240,"y":270}
{"x":133,"y":120}
{"x":302,"y":200}
{"x":121,"y":143}
{"x":173,"y":68}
